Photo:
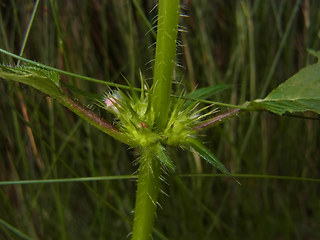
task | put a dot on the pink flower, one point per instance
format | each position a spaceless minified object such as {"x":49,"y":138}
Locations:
{"x":143,"y":125}
{"x":112,"y":103}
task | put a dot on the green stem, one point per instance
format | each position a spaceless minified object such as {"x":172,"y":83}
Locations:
{"x":150,"y":169}
{"x":147,"y":195}
{"x":217,"y":119}
{"x":165,"y":59}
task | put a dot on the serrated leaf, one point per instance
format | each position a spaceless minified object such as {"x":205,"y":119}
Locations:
{"x":160,"y":153}
{"x":207,"y":155}
{"x":44,"y":80}
{"x":299,"y":93}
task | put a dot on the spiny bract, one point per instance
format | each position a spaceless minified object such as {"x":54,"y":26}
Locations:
{"x":135,"y":118}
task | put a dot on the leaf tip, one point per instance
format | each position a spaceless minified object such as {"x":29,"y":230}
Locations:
{"x":314,"y":53}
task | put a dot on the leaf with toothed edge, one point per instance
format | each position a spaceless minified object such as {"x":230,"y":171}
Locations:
{"x":299,"y":93}
{"x":44,"y":80}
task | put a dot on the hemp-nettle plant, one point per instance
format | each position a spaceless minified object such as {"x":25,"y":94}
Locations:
{"x":151,"y":118}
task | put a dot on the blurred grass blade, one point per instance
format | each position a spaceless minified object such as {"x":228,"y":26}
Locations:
{"x":14,"y":230}
{"x":207,"y":92}
{"x":160,"y":154}
{"x":68,"y":180}
{"x":81,"y":92}
{"x":299,"y":93}
{"x":207,"y":155}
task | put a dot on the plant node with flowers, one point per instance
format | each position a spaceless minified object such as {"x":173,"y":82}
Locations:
{"x":135,"y":118}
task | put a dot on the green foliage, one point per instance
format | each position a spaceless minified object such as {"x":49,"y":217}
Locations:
{"x":299,"y":93}
{"x":135,"y":114}
{"x":207,"y":155}
{"x":42,"y":79}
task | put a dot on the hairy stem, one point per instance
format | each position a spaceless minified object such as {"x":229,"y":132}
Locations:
{"x":147,"y":195}
{"x":165,"y":59}
{"x":217,"y":119}
{"x":150,"y":169}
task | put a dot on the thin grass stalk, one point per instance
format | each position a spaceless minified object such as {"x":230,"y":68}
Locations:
{"x":20,"y":96}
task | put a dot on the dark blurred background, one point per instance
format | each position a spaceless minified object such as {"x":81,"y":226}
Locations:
{"x":252,"y":45}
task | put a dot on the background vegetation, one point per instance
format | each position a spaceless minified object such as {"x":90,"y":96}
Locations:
{"x":251,"y":45}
